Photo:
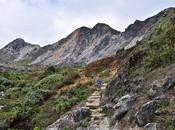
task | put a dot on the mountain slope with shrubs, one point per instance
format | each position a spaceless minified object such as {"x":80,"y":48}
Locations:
{"x":140,"y":92}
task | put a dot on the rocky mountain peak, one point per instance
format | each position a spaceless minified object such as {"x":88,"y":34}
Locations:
{"x":18,"y":49}
{"x":17,"y":43}
{"x":78,"y":32}
{"x":18,"y":40}
{"x":102,"y":28}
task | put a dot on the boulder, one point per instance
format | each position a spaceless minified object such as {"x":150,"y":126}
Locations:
{"x":159,"y":87}
{"x":123,"y":106}
{"x":81,"y":114}
{"x":107,"y":108}
{"x":146,"y":113}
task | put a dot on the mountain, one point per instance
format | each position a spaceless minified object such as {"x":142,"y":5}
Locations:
{"x":82,"y":46}
{"x":137,"y":90}
{"x":17,"y":50}
{"x":141,"y":93}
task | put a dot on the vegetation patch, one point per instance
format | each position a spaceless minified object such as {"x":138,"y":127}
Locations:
{"x":30,"y":100}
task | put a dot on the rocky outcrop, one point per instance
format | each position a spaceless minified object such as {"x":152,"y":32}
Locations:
{"x":71,"y":120}
{"x":146,"y":113}
{"x":123,"y":105}
{"x":159,"y":87}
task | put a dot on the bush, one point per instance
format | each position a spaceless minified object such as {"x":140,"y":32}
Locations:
{"x":69,"y":79}
{"x":4,"y":84}
{"x":49,"y":82}
{"x":50,"y":70}
{"x":13,"y":93}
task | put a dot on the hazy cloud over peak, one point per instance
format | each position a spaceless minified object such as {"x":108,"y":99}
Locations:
{"x":46,"y":21}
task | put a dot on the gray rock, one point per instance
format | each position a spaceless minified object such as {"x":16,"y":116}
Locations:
{"x":70,"y":120}
{"x":108,"y":108}
{"x":151,"y":126}
{"x":159,"y":87}
{"x":124,"y":105}
{"x":81,"y":114}
{"x":116,"y":100}
{"x":146,"y":113}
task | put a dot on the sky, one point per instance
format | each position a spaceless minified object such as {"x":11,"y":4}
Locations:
{"x":47,"y":21}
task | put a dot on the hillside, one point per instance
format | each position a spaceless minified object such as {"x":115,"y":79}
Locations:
{"x":141,"y":95}
{"x":144,"y":84}
{"x":137,"y":68}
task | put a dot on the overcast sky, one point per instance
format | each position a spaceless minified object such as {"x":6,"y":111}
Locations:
{"x":46,"y":21}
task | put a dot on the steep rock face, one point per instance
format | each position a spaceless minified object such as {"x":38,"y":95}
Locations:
{"x":86,"y":45}
{"x":17,"y":50}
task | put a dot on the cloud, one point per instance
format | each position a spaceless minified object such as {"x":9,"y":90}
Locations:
{"x":46,"y":21}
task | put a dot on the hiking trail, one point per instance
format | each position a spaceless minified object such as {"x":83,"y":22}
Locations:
{"x":99,"y":120}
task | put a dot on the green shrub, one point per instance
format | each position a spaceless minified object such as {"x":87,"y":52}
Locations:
{"x":5,"y":84}
{"x":49,"y":82}
{"x":4,"y":81}
{"x":50,"y":70}
{"x":13,"y":92}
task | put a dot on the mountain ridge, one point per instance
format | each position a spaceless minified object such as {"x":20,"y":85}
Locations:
{"x":85,"y":45}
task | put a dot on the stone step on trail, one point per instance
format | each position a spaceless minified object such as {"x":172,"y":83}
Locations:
{"x":94,"y":97}
{"x":96,"y":110}
{"x":96,"y":93}
{"x":90,"y":100}
{"x":97,"y":116}
{"x":92,"y":105}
